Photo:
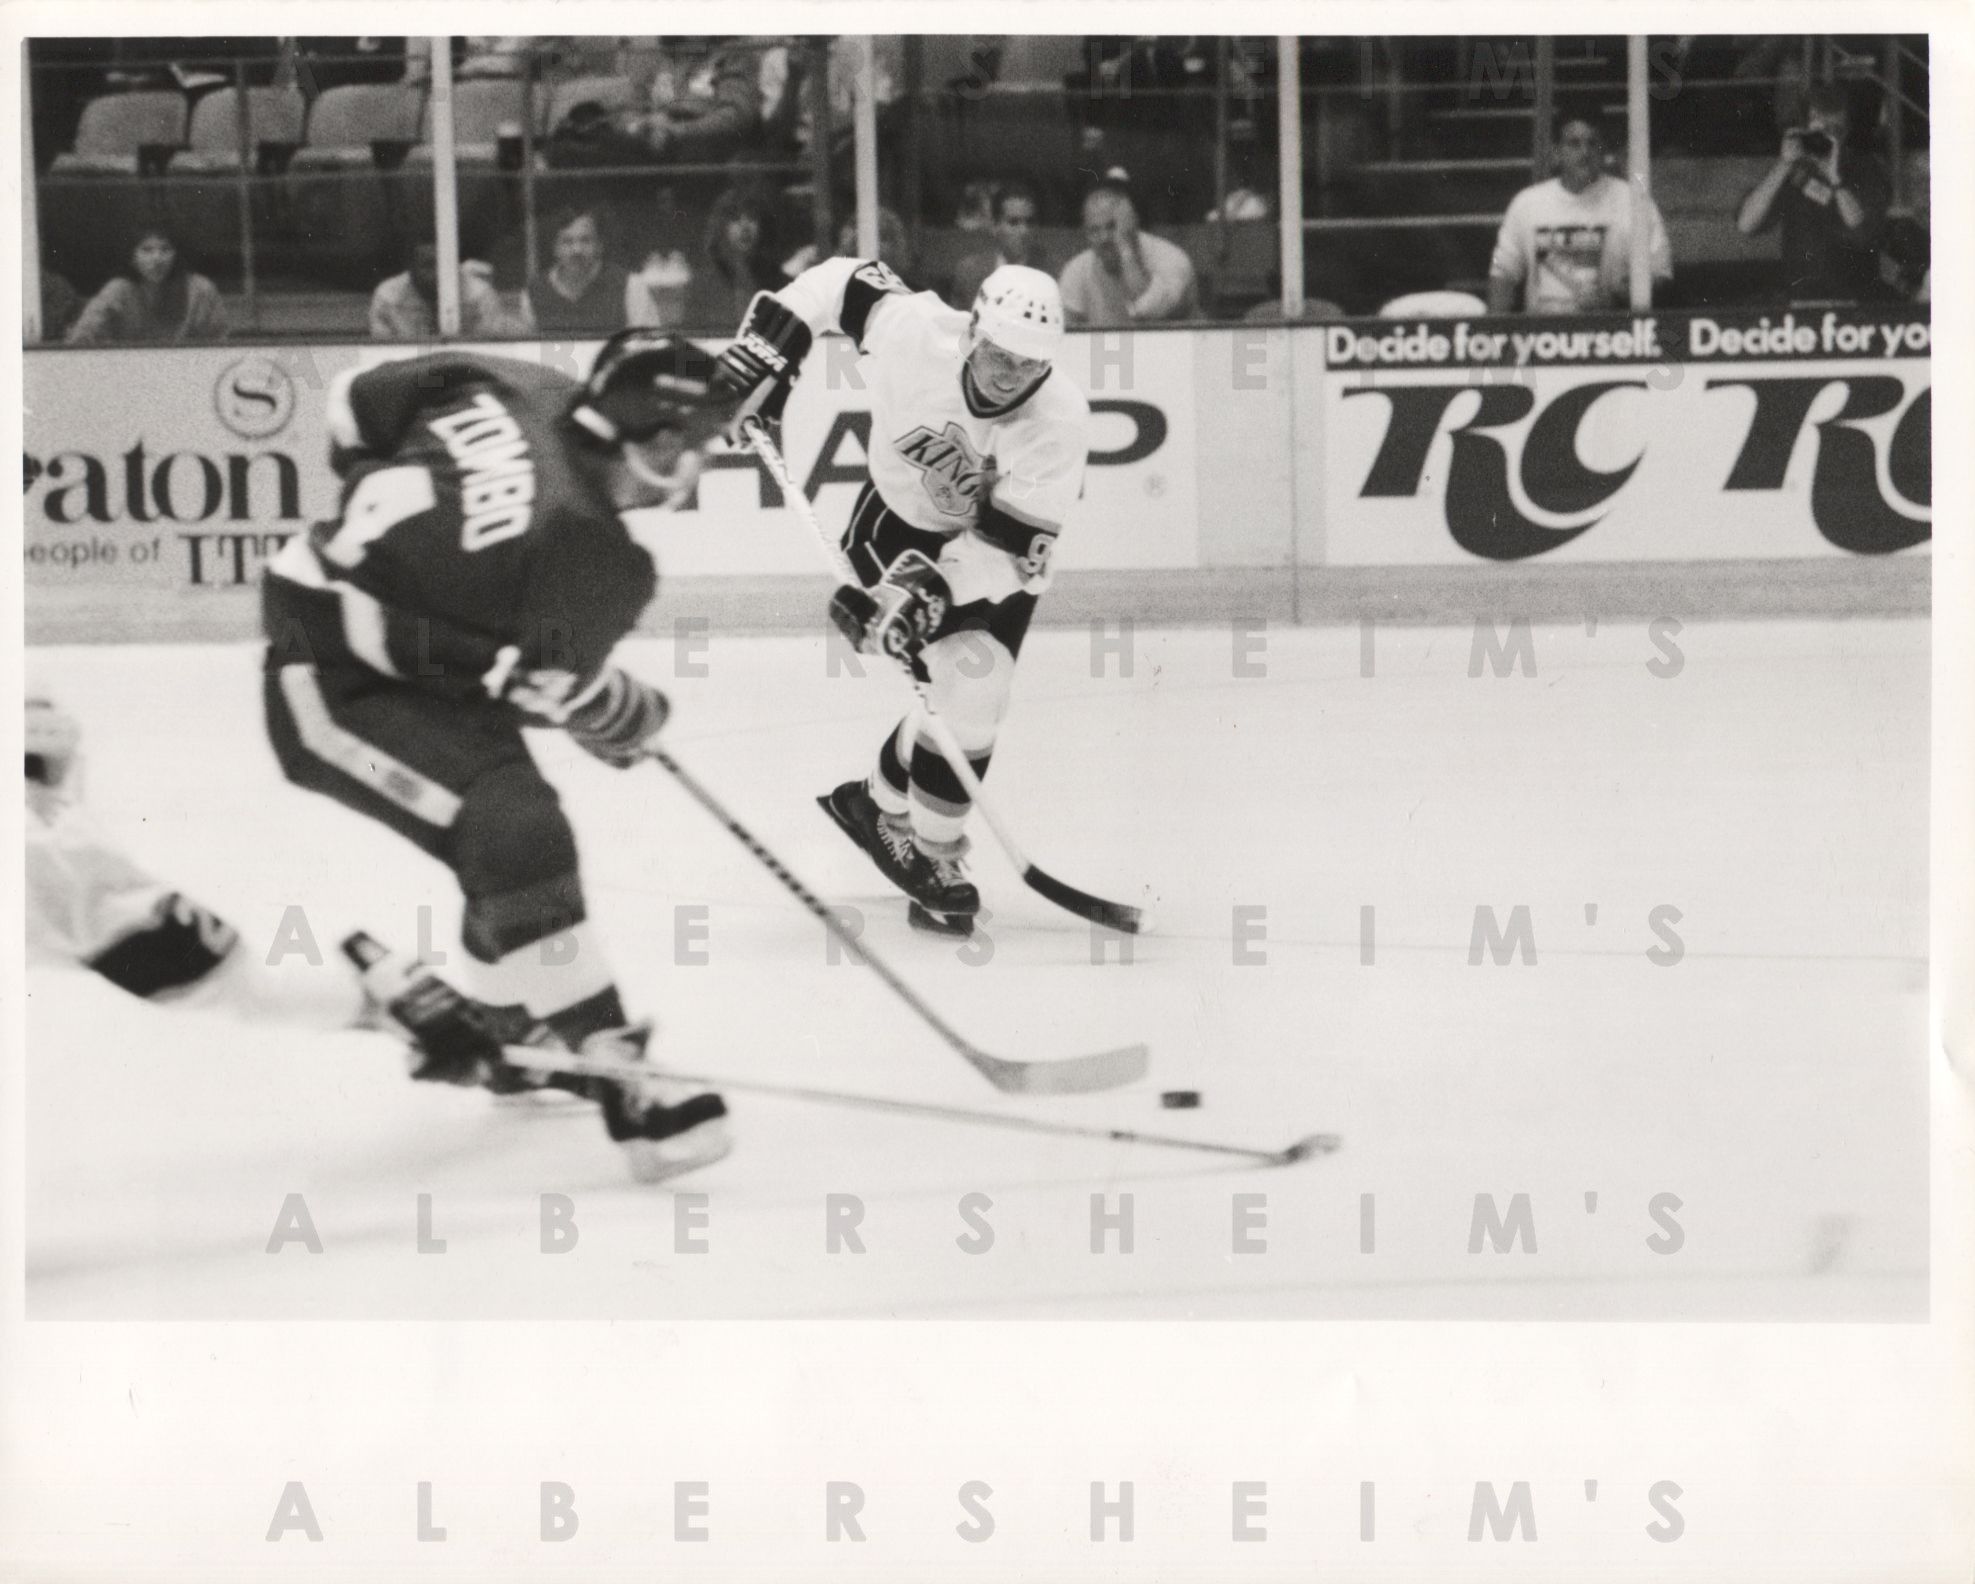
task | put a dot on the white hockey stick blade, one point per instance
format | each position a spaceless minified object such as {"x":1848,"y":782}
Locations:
{"x":1091,"y":1074}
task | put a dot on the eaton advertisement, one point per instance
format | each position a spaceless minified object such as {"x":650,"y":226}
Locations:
{"x":187,"y":469}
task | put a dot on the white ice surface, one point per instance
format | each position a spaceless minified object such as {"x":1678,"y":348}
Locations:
{"x":1773,"y":1079}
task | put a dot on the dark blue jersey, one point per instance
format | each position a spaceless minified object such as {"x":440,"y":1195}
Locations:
{"x":475,"y":537}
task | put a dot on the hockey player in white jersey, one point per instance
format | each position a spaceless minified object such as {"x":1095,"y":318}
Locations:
{"x":977,"y":455}
{"x":89,"y":904}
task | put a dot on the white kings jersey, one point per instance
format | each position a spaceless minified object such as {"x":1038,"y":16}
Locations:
{"x":88,"y":903}
{"x":998,"y":486}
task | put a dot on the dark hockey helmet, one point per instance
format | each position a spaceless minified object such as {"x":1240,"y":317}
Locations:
{"x":644,"y":381}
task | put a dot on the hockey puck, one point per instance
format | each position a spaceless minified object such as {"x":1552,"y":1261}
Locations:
{"x":1180,"y":1099}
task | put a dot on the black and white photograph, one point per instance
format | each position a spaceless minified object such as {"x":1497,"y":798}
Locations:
{"x":895,"y":684}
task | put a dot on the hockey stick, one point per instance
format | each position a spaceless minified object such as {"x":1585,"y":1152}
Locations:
{"x":1112,"y":915}
{"x":621,"y":1069}
{"x":1074,"y":1075}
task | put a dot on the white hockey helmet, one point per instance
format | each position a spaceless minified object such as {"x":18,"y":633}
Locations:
{"x":1020,"y":310}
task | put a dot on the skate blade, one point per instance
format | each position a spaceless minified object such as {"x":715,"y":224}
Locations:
{"x":656,"y":1160}
{"x":957,"y":925}
{"x":544,"y":1102}
{"x":838,"y":820}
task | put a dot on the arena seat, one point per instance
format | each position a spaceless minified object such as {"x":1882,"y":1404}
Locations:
{"x":202,"y":187}
{"x":481,"y":107}
{"x":274,"y":115}
{"x":349,"y":119}
{"x":114,"y":127}
{"x":341,"y":206}
{"x":1433,"y":305}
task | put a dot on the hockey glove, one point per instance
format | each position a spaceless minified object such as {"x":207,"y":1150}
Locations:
{"x":620,"y":718}
{"x":898,"y":617}
{"x":756,"y":371}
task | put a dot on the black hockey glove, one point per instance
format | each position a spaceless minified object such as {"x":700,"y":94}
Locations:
{"x":767,"y":351}
{"x":898,"y":617}
{"x":618,"y":722}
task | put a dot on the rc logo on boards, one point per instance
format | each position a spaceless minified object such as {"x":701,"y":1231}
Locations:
{"x":1871,"y":490}
{"x":254,"y":397}
{"x":1481,"y":513}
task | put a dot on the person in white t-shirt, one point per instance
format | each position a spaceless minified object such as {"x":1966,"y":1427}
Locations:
{"x":1565,"y":244}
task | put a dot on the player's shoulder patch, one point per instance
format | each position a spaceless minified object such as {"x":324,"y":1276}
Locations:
{"x":870,"y":284}
{"x":880,"y":277}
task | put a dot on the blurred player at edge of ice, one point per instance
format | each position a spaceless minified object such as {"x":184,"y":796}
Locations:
{"x":476,"y":580}
{"x":90,"y":904}
{"x":977,"y":455}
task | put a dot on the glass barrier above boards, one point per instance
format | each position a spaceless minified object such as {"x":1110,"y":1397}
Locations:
{"x":190,"y":190}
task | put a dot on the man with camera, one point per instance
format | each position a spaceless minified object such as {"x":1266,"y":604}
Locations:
{"x":1829,"y":200}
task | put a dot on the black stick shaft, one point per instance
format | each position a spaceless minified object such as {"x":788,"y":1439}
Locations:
{"x":815,"y":904}
{"x":543,"y":1060}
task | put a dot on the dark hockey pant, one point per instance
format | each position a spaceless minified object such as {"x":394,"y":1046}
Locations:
{"x":456,"y":779}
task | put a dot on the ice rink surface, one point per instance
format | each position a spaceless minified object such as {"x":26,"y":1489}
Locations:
{"x":1750,"y":1116}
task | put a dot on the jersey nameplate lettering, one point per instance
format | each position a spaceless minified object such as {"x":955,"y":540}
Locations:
{"x":497,"y":489}
{"x":948,"y":465}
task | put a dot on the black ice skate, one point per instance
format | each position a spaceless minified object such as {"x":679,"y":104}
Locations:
{"x":659,"y":1140}
{"x":944,"y":900}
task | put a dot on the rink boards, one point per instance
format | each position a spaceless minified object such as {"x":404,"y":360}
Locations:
{"x":1720,"y":464}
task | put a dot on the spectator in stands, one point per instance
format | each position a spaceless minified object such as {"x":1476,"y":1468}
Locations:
{"x":894,"y":248}
{"x":706,"y":102}
{"x":1015,"y":212}
{"x":406,"y":306}
{"x":1906,"y":255}
{"x":60,"y":303}
{"x":155,"y":298}
{"x":582,"y":292}
{"x":1565,"y":246}
{"x":975,"y":211}
{"x":1829,"y":201}
{"x":1126,"y":276}
{"x":740,"y":259}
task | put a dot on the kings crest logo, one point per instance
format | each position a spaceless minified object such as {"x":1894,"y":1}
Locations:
{"x":948,"y":465}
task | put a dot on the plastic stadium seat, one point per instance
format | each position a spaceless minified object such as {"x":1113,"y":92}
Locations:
{"x":113,"y":128}
{"x":1315,"y":311}
{"x":202,"y":191}
{"x":349,"y":119}
{"x":1434,"y":305}
{"x":480,"y":109}
{"x":274,"y":115}
{"x":340,"y":205}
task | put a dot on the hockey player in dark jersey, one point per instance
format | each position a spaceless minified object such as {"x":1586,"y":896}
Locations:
{"x":475,"y":582}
